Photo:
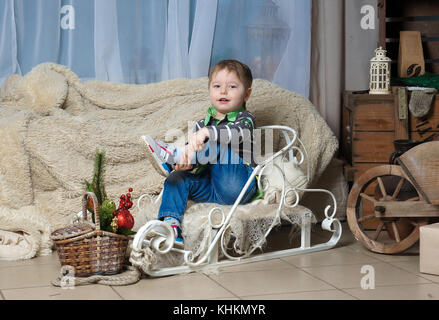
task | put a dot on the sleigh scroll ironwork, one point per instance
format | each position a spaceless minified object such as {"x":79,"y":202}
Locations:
{"x":156,"y":238}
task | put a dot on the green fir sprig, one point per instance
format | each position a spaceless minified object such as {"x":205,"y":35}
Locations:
{"x":97,"y":186}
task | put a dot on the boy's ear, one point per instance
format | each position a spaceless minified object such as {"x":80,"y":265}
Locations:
{"x":247,"y":96}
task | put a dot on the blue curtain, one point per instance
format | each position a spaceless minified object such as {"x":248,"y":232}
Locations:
{"x":144,"y":41}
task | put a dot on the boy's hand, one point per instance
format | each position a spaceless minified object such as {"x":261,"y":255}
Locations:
{"x":198,"y":139}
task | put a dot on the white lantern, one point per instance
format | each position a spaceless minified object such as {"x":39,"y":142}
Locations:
{"x":379,"y":73}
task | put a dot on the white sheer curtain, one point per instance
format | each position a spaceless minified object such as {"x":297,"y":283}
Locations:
{"x":143,"y":41}
{"x":202,"y":38}
{"x":8,"y":35}
{"x":175,"y":60}
{"x":108,"y":66}
{"x":294,"y":69}
{"x":272,"y":36}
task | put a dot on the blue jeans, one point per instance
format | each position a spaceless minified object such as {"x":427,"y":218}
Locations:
{"x":221,"y":182}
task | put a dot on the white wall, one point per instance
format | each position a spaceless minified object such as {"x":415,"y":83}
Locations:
{"x":361,"y":39}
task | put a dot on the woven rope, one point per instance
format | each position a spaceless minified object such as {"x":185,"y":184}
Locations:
{"x":148,"y":258}
{"x":130,"y":276}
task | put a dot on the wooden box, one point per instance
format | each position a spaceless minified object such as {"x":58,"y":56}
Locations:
{"x":372,"y":122}
{"x":429,"y":249}
{"x":409,"y":15}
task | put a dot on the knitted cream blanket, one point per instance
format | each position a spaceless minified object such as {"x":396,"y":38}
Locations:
{"x":51,"y":124}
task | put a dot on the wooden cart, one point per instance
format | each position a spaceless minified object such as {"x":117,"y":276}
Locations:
{"x":399,"y":198}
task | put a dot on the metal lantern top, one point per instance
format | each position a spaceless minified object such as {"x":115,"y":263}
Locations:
{"x":380,"y":56}
{"x":266,"y":40}
{"x":268,"y":23}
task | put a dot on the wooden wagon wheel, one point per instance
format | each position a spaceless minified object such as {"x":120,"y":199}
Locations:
{"x":383,"y":183}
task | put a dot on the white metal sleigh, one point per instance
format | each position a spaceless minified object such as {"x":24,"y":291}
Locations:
{"x":158,"y":237}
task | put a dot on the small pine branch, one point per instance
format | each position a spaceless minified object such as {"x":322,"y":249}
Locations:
{"x":98,"y":177}
{"x":101,"y":177}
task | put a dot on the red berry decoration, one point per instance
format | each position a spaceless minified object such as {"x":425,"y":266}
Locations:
{"x":124,"y":218}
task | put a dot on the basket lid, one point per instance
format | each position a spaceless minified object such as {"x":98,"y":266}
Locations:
{"x":71,"y":231}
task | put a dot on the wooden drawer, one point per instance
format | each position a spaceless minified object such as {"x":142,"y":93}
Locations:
{"x":377,"y":147}
{"x":380,"y":117}
{"x":372,"y":146}
{"x":373,"y":117}
{"x":371,"y":125}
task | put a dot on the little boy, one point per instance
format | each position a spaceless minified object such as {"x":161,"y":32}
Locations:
{"x":220,"y":148}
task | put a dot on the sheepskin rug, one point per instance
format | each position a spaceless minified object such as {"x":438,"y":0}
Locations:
{"x":51,"y":124}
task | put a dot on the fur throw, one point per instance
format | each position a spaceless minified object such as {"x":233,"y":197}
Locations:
{"x":51,"y":124}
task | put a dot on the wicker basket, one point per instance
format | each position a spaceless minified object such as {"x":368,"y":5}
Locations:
{"x":87,"y":248}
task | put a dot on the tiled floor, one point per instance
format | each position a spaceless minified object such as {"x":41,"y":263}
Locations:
{"x":332,"y":274}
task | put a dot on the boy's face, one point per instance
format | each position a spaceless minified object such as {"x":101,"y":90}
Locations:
{"x":227,"y":92}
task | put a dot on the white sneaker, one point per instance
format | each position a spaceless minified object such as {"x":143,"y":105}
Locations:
{"x":161,"y":155}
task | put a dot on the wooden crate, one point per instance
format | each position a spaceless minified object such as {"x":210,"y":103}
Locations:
{"x":409,"y":15}
{"x":371,"y":124}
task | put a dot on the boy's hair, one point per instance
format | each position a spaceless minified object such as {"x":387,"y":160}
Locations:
{"x":242,"y":71}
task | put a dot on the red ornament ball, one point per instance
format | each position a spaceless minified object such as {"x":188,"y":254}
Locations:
{"x":125,"y":219}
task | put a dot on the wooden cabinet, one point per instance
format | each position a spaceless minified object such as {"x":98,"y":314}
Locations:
{"x":372,"y":122}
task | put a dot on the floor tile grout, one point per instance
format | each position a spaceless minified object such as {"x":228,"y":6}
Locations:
{"x":298,"y":292}
{"x":418,"y":274}
{"x":344,"y":291}
{"x":262,"y":269}
{"x":313,"y":276}
{"x":317,"y":278}
{"x":370,"y":254}
{"x":394,"y":285}
{"x":330,"y":265}
{"x":228,"y":290}
{"x":117,"y":293}
{"x":411,"y":272}
{"x":353,"y":264}
{"x":430,"y":282}
{"x":29,"y":265}
{"x":424,"y":277}
{"x":29,"y":287}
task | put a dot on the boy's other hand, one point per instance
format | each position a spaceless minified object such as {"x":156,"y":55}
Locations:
{"x":195,"y":144}
{"x":184,"y":163}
